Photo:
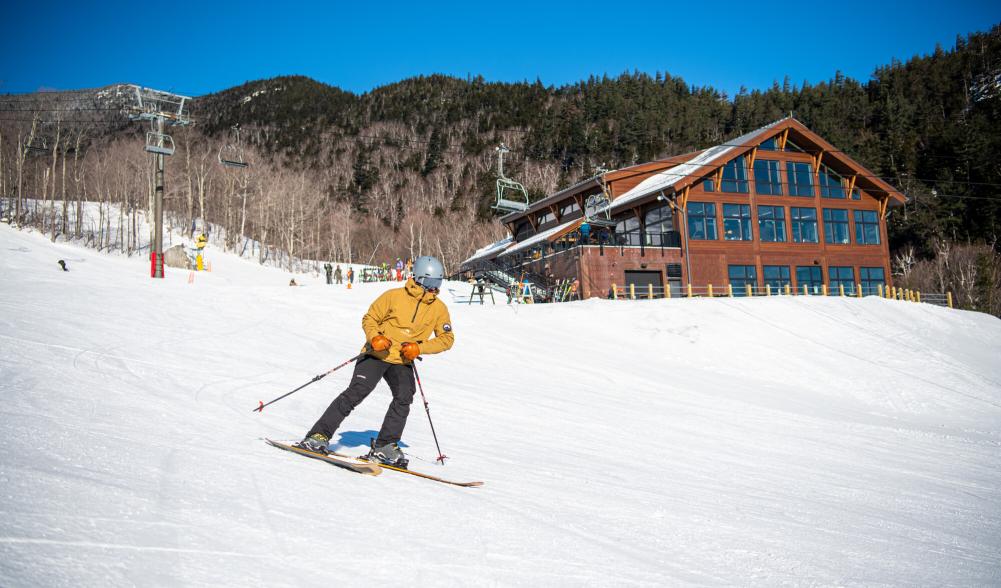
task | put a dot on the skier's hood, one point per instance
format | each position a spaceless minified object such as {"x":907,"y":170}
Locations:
{"x":414,"y":289}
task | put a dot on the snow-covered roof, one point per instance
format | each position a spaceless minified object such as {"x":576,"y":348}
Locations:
{"x":491,"y":249}
{"x":698,"y":165}
{"x":544,"y":235}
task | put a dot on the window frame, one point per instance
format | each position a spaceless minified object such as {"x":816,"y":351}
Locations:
{"x":702,"y":219}
{"x":794,"y":175}
{"x":772,"y":175}
{"x":861,"y":224}
{"x":739,"y":284}
{"x":739,"y":181}
{"x":834,"y":281}
{"x":777,"y":224}
{"x":831,"y":225}
{"x":745,"y":231}
{"x":798,"y":223}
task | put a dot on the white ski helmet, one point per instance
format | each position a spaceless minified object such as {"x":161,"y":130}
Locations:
{"x":428,"y":272}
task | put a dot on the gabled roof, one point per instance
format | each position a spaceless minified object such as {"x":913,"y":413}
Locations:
{"x":699,"y":165}
{"x":706,"y":162}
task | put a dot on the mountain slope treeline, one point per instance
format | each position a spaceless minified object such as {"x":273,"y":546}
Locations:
{"x":411,"y":165}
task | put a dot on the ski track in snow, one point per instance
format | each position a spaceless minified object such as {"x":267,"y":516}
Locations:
{"x":778,"y":441}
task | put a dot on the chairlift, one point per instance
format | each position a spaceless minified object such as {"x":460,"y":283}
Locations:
{"x":160,"y":143}
{"x":506,"y":186}
{"x":231,"y":154}
{"x":37,"y":146}
{"x":596,"y":211}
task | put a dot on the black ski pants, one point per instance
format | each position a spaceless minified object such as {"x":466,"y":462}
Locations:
{"x":368,"y":372}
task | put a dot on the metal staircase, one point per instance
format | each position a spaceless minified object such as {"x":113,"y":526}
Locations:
{"x":503,"y":278}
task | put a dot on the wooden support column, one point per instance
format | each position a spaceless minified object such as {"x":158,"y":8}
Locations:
{"x":883,"y":206}
{"x":783,"y":138}
{"x":750,"y":161}
{"x":556,"y":212}
{"x":718,"y":179}
{"x":851,"y":186}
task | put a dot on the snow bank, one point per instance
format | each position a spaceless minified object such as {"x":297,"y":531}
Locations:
{"x":650,"y":443}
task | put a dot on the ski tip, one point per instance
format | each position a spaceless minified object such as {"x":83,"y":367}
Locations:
{"x":260,"y":408}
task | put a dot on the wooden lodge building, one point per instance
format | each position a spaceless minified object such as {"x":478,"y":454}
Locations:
{"x":778,"y":206}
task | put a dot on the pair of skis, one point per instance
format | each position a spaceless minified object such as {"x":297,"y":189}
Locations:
{"x":363,"y":466}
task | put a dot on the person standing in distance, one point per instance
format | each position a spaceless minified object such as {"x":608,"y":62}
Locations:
{"x":398,"y":328}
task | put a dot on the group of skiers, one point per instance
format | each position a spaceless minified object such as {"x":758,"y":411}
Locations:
{"x":386,"y":272}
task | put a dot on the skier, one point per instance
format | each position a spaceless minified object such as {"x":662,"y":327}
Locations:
{"x":329,"y":269}
{"x":338,"y":275}
{"x":398,"y":328}
{"x":399,"y":269}
{"x":351,"y":276}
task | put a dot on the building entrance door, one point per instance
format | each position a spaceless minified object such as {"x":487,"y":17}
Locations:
{"x":642,"y":280}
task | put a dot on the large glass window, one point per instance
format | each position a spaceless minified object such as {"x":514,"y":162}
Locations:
{"x":772,"y":224}
{"x":866,"y":227}
{"x":627,"y":230}
{"x":742,"y":276}
{"x":659,"y":224}
{"x":766,"y":177}
{"x":804,"y":225}
{"x":737,"y":222}
{"x":567,"y":209}
{"x":800,"y":177}
{"x":809,"y":276}
{"x":836,"y":226}
{"x":546,"y":217}
{"x":769,"y":145}
{"x":708,"y":186}
{"x":735,"y":177}
{"x":871,"y":278}
{"x":841,"y":276}
{"x":830,"y":183}
{"x":702,"y":221}
{"x":776,"y":276}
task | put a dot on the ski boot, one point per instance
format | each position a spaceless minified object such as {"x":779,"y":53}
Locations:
{"x":317,"y":443}
{"x":389,"y":454}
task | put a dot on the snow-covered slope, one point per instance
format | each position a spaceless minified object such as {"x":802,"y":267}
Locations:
{"x":710,"y":442}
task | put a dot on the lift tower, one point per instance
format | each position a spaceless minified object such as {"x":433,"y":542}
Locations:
{"x":161,"y":109}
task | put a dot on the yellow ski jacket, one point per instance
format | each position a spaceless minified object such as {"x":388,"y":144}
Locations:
{"x":408,"y":314}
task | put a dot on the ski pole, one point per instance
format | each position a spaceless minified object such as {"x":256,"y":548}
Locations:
{"x":441,"y":456}
{"x":315,"y":379}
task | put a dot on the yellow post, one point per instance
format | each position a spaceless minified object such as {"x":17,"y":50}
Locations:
{"x":768,"y":289}
{"x":879,"y":290}
{"x":893,"y":292}
{"x":709,"y":291}
{"x":649,"y":291}
{"x":689,"y":289}
{"x":841,"y":290}
{"x":667,"y":290}
{"x":806,"y":291}
{"x":917,"y":296}
{"x":858,"y":290}
{"x":788,"y":290}
{"x":948,"y":298}
{"x":615,"y":292}
{"x":632,"y":291}
{"x":823,"y":289}
{"x":747,"y":290}
{"x":729,"y":290}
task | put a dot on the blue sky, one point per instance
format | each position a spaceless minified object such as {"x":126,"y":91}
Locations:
{"x":208,"y":46}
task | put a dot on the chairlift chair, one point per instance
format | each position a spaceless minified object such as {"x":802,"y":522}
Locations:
{"x":37,"y":146}
{"x":231,"y":154}
{"x":161,"y":143}
{"x":512,"y":187}
{"x":596,"y":211}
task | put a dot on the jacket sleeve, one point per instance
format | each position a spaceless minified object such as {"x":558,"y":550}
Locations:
{"x":443,"y":336}
{"x":376,"y":314}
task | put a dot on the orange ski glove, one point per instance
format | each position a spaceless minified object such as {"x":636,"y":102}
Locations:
{"x":381,"y":343}
{"x":410,"y":351}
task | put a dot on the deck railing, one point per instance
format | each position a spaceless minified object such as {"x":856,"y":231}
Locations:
{"x":651,"y":292}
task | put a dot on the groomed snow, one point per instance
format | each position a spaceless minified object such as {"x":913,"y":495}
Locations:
{"x":779,"y":441}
